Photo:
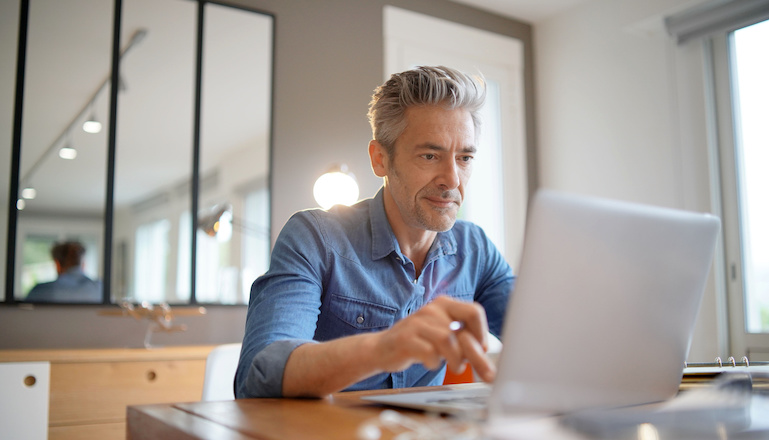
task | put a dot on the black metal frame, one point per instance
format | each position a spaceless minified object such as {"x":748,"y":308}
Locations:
{"x":111,"y":147}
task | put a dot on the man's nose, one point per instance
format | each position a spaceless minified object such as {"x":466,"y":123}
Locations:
{"x":448,"y":178}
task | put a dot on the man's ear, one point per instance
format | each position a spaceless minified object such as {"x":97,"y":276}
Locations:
{"x":379,"y":158}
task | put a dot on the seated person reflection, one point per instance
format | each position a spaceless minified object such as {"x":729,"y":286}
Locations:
{"x":369,"y":296}
{"x":71,"y":285}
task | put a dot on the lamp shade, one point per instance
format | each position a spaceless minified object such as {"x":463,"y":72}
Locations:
{"x":336,"y":187}
{"x":212,"y":222}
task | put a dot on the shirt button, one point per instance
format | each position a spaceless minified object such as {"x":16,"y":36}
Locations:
{"x":415,"y":280}
{"x":360,"y":319}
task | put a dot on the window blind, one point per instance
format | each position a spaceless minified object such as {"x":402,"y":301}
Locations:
{"x":715,"y":16}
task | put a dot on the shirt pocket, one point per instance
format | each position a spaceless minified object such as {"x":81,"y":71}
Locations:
{"x":362,"y":315}
{"x":465,"y":297}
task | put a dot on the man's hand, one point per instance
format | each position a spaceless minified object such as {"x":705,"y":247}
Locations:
{"x":427,"y":337}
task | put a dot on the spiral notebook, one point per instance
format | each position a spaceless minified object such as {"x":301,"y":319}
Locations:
{"x":602,"y":313}
{"x":695,"y":371}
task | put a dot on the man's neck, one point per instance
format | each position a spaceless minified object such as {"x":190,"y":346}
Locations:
{"x":414,"y":242}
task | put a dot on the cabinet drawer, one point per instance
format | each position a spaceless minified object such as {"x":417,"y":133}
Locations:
{"x":105,"y":431}
{"x":100,"y":391}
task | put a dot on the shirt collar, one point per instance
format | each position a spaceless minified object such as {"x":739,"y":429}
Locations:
{"x":383,"y":241}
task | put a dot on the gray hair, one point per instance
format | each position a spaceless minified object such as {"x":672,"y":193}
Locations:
{"x":423,"y":85}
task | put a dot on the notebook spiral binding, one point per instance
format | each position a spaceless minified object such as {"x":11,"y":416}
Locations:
{"x":730,"y":362}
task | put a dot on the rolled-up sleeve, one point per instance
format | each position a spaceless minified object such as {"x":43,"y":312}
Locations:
{"x":264,"y":376}
{"x":283,"y":309}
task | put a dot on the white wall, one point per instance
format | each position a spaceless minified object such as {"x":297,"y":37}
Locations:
{"x":618,"y":116}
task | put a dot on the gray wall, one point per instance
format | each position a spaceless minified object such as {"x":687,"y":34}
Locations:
{"x":329,"y":56}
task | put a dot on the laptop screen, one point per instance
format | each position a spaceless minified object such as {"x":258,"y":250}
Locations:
{"x":604,"y":306}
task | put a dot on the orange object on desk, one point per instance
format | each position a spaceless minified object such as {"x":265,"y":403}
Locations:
{"x":463,"y":377}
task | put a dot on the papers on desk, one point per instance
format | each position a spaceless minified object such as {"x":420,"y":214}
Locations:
{"x":729,"y":408}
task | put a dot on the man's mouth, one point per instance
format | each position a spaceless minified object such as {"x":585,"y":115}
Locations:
{"x":440,"y":202}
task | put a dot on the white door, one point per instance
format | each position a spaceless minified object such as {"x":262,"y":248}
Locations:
{"x":497,"y":195}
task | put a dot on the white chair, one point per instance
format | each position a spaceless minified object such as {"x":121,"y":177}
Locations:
{"x":221,"y":364}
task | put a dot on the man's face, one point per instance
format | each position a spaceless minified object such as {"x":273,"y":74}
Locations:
{"x":431,"y":164}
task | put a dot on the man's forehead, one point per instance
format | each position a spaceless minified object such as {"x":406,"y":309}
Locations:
{"x":438,"y":128}
{"x":429,"y":146}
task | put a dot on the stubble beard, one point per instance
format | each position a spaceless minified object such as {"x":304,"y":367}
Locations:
{"x":433,"y":218}
{"x":442,"y":219}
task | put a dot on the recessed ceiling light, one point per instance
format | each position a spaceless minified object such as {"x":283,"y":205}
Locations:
{"x":92,"y":126}
{"x":29,"y":193}
{"x":68,"y":153}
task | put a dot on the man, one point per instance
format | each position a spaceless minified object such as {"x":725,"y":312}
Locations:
{"x":379,"y":294}
{"x":71,"y":285}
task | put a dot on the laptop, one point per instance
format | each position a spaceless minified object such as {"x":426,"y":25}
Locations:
{"x":602,"y":313}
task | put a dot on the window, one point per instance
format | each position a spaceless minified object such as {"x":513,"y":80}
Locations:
{"x":485,"y":193}
{"x":256,"y":239}
{"x":750,"y":92}
{"x":37,"y":266}
{"x":151,"y":261}
{"x":725,"y":42}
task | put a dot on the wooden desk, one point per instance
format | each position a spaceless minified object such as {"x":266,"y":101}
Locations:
{"x":341,"y":415}
{"x":337,"y":417}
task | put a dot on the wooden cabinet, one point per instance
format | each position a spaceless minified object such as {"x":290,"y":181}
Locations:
{"x":90,"y":389}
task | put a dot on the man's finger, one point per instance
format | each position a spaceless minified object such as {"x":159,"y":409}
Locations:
{"x":476,"y":356}
{"x":444,"y":342}
{"x":467,"y":316}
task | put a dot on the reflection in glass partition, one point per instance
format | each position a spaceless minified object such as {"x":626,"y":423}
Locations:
{"x":63,"y":167}
{"x":57,"y":271}
{"x":234,"y":154}
{"x":153,"y":159}
{"x":9,"y":31}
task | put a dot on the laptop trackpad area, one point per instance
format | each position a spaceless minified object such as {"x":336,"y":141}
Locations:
{"x":457,"y":399}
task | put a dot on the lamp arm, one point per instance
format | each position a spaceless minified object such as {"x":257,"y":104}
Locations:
{"x":250,"y":227}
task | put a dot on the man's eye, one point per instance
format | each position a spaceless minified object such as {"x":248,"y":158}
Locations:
{"x":429,"y":156}
{"x":466,"y":158}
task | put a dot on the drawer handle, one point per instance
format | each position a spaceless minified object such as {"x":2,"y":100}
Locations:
{"x":30,"y":381}
{"x":151,"y":375}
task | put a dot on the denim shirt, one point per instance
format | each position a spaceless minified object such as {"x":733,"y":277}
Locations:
{"x":71,"y":286}
{"x":341,"y":272}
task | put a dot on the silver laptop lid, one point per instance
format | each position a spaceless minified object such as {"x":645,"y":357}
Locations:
{"x":604,"y":305}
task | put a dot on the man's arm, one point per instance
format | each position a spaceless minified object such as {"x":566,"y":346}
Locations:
{"x":425,"y":337}
{"x":495,"y":284}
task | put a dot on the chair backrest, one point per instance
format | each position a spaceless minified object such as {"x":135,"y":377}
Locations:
{"x":24,"y":392}
{"x":221,"y":364}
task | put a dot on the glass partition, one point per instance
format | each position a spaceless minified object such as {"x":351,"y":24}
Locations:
{"x":65,"y":167}
{"x":62,"y":175}
{"x":9,"y":31}
{"x":234,"y":153}
{"x":153,"y":156}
